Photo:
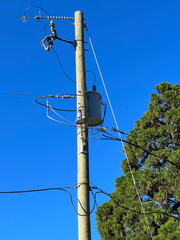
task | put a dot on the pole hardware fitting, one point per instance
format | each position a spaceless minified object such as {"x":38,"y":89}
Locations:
{"x":54,"y":18}
{"x":87,"y":184}
{"x":79,"y":40}
{"x":80,"y":118}
{"x":84,"y":183}
{"x":49,"y":39}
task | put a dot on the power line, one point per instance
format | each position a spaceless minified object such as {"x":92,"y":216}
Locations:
{"x":101,"y":129}
{"x":55,"y":120}
{"x":59,"y":189}
{"x":92,"y":74}
{"x":133,"y":210}
{"x":36,"y":190}
{"x":59,"y":114}
{"x":58,"y":109}
{"x":43,"y":190}
{"x":27,"y":9}
{"x":12,"y":15}
{"x":98,"y":129}
{"x":91,"y":188}
{"x":64,"y":96}
{"x":60,"y":95}
{"x":24,"y":17}
{"x":137,"y":136}
{"x":20,"y":94}
{"x":60,"y":64}
{"x":140,"y":147}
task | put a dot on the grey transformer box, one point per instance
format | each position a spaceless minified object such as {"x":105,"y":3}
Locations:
{"x":94,"y":109}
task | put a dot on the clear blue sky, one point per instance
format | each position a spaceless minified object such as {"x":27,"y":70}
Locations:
{"x":138,"y":46}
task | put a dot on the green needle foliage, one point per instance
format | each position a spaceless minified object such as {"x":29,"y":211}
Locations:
{"x":153,"y":151}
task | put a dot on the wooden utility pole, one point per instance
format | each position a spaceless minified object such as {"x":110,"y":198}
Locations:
{"x":84,"y":232}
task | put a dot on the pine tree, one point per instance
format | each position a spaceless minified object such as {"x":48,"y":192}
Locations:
{"x":153,"y":150}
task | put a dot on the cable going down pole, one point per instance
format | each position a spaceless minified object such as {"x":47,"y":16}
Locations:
{"x":84,"y":232}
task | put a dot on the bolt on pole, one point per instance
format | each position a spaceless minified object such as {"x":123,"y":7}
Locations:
{"x":84,"y":232}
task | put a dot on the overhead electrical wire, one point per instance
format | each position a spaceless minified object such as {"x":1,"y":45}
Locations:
{"x":20,"y":94}
{"x":92,"y":74}
{"x":58,"y":109}
{"x":12,"y":15}
{"x":55,"y":52}
{"x":37,"y":190}
{"x":24,"y":17}
{"x":43,"y":190}
{"x":138,"y":146}
{"x":133,"y":210}
{"x":112,"y":137}
{"x":55,"y":120}
{"x":49,"y":107}
{"x":98,"y":129}
{"x":60,"y":64}
{"x":101,"y":129}
{"x":27,"y":9}
{"x":61,"y":116}
{"x":59,"y":95}
{"x":59,"y":189}
{"x":91,"y":188}
{"x":136,"y":136}
{"x":64,"y":96}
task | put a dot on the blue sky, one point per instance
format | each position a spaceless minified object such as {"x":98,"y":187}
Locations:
{"x":137,"y":45}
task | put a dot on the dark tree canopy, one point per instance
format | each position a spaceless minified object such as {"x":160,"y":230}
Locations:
{"x":153,"y":150}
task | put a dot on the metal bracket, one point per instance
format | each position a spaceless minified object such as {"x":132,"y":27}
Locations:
{"x":49,"y":39}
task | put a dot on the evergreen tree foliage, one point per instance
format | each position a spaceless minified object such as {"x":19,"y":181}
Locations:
{"x":153,"y":150}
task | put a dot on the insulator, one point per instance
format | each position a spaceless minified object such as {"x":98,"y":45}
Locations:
{"x":52,"y":25}
{"x":54,"y":17}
